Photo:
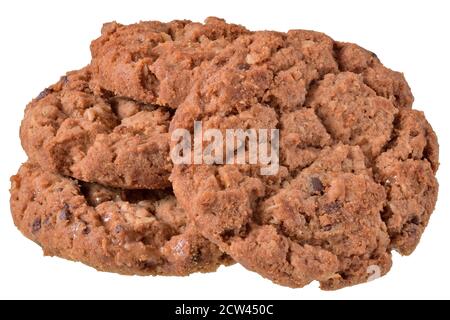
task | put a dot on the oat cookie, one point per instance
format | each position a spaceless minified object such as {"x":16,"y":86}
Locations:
{"x":157,"y":62}
{"x":357,"y":164}
{"x":76,"y":129}
{"x":138,"y":232}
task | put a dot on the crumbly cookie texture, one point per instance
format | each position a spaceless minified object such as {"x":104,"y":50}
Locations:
{"x":156,"y":62}
{"x":76,"y":129}
{"x":357,"y":164}
{"x":130,"y":232}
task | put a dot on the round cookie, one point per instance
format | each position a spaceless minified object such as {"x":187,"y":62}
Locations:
{"x":357,"y":165}
{"x":138,"y":232}
{"x":76,"y":129}
{"x":156,"y":62}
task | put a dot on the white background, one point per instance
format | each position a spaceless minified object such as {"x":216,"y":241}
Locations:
{"x":41,"y":40}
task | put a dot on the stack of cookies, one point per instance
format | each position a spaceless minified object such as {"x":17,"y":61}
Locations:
{"x":355,"y":174}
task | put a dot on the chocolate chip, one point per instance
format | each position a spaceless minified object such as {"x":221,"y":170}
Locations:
{"x":373,"y":54}
{"x":86,"y":230}
{"x":65,"y":214}
{"x":64,"y":79}
{"x":332,"y":207}
{"x":119,"y":228}
{"x":316,"y":185}
{"x":415,"y":220}
{"x":327,"y":227}
{"x":227,"y":234}
{"x":244,"y":66}
{"x":36,"y":225}
{"x":44,"y":93}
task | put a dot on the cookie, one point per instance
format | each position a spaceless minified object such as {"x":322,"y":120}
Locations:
{"x":156,"y":62}
{"x":129,"y":232}
{"x":356,"y":176}
{"x":76,"y":129}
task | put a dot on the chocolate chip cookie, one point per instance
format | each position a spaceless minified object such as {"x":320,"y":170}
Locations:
{"x":77,"y":129}
{"x":357,"y":165}
{"x":138,"y":232}
{"x":156,"y":62}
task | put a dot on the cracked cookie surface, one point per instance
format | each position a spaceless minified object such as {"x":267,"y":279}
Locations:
{"x":131,"y":232}
{"x":76,"y":129}
{"x":156,"y":62}
{"x":357,"y":164}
